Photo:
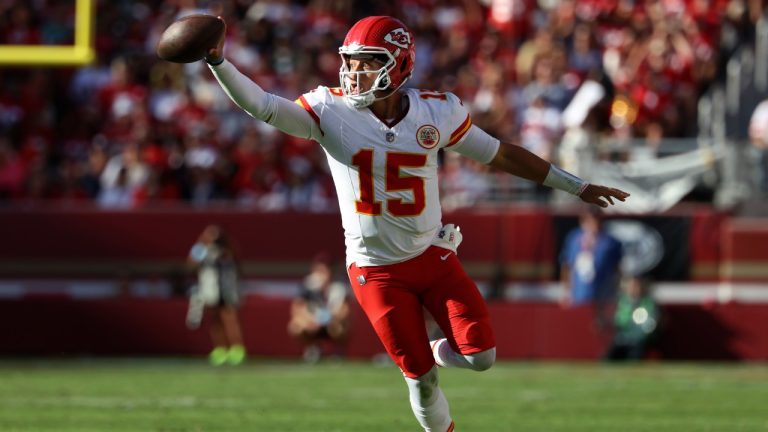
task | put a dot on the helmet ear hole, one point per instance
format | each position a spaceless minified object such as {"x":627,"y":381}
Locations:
{"x":403,"y":65}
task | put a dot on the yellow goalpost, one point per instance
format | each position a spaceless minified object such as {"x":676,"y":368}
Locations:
{"x":80,"y":53}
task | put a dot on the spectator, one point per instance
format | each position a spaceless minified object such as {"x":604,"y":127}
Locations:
{"x":21,"y":27}
{"x":585,"y":118}
{"x":12,"y":171}
{"x":547,"y":84}
{"x":529,"y":51}
{"x":584,"y":58}
{"x":541,"y":130}
{"x":124,"y":179}
{"x":321,"y":311}
{"x":589,"y":270}
{"x":90,"y":173}
{"x":200,"y":159}
{"x":636,"y":321}
{"x":217,"y":291}
{"x":660,"y":56}
{"x":758,"y":136}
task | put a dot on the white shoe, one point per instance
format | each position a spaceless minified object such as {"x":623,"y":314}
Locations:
{"x":435,"y":345}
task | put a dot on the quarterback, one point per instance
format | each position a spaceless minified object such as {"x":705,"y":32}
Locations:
{"x":382,"y":141}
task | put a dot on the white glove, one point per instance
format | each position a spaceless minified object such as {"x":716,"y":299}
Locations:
{"x":449,"y":237}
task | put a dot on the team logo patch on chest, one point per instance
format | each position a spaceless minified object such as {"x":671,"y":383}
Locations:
{"x":427,"y":136}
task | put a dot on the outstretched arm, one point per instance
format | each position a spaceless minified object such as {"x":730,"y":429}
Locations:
{"x":518,"y":161}
{"x":275,"y":110}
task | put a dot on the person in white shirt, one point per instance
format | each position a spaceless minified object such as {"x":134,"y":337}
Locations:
{"x":758,"y":136}
{"x":382,"y":141}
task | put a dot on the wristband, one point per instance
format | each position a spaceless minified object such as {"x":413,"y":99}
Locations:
{"x":215,"y":63}
{"x":559,"y":179}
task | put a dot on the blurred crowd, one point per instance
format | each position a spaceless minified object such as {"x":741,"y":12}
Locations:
{"x":131,"y":130}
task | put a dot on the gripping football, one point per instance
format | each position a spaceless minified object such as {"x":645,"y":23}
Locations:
{"x":188,"y":39}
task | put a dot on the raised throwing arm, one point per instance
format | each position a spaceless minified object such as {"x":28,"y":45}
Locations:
{"x":282,"y":113}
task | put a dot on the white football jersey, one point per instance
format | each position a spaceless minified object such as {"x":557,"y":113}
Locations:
{"x":387,"y":177}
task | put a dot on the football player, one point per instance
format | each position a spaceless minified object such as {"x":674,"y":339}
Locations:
{"x":382,"y":141}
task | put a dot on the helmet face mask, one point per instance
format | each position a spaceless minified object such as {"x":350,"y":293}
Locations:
{"x":376,"y":38}
{"x":359,"y":97}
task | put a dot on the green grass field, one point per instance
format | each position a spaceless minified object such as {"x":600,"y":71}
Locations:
{"x":265,"y":395}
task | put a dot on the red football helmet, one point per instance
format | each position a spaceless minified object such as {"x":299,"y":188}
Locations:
{"x":381,"y":37}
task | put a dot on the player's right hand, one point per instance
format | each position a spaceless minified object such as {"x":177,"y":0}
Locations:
{"x":216,"y":53}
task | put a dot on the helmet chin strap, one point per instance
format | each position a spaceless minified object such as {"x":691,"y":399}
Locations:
{"x":359,"y":102}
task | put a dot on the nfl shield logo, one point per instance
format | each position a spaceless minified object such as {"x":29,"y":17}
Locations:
{"x":390,"y":136}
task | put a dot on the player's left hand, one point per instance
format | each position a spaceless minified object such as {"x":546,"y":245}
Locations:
{"x":602,"y":196}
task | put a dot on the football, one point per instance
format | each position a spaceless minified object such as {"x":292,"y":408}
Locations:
{"x":188,"y":39}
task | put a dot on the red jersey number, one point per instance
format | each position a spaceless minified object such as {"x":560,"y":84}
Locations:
{"x":394,"y":181}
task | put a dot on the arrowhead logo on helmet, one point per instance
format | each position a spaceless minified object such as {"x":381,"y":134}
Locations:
{"x":398,"y":37}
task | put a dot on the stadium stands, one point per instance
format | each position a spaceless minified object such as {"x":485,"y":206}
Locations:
{"x":130,"y":130}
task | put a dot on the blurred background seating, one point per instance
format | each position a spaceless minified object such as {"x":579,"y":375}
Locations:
{"x":131,"y":130}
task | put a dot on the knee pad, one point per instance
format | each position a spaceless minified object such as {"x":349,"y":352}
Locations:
{"x":482,"y":360}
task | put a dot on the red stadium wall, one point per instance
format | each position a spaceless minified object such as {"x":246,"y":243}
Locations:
{"x":97,"y":243}
{"x":745,"y":250}
{"x":519,"y":242}
{"x":516,"y":243}
{"x":60,"y":326}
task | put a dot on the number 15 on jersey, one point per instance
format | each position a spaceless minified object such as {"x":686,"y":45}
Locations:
{"x":394,"y":181}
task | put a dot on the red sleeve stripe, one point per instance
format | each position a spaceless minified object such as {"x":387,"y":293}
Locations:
{"x":304,"y":104}
{"x":460,"y":132}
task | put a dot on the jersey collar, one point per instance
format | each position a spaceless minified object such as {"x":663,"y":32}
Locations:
{"x":406,"y":107}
